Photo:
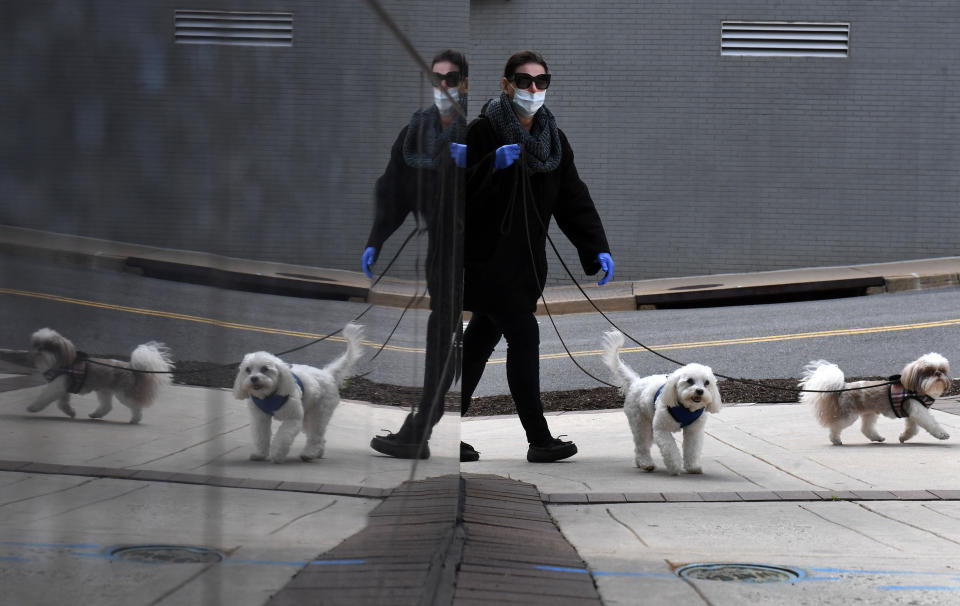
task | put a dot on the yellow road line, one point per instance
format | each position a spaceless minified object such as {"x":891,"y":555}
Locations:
{"x":551,"y":356}
{"x":188,"y":318}
{"x":754,"y":340}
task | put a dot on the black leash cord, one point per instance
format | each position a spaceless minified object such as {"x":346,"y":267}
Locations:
{"x":393,"y":260}
{"x":526,"y":177}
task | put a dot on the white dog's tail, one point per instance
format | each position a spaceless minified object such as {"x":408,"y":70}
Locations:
{"x":343,"y":366}
{"x":154,"y":360}
{"x":623,"y":374}
{"x":820,"y":375}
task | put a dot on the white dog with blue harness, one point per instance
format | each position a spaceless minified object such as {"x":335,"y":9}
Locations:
{"x":300,"y":397}
{"x":660,"y":405}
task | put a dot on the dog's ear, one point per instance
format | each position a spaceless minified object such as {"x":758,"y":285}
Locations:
{"x":910,"y":375}
{"x":669,"y":395}
{"x":286,"y":384}
{"x":240,"y":383}
{"x":715,"y":403}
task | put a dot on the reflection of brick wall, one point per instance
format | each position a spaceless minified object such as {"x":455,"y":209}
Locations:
{"x":111,"y":130}
{"x":702,"y":164}
{"x":698,"y":164}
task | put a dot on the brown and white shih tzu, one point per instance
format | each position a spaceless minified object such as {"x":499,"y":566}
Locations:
{"x":68,"y":371}
{"x":909,"y":397}
{"x":300,"y":397}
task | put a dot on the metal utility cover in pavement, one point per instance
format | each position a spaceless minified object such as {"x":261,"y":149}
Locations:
{"x":165,"y":554}
{"x":742,"y":573}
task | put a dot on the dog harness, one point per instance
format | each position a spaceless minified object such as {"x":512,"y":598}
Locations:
{"x":272,"y":403}
{"x":898,"y":395}
{"x":76,"y":371}
{"x":680,"y":413}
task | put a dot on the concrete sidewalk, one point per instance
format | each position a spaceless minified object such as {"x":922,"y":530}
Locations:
{"x":862,"y":521}
{"x":317,"y":282}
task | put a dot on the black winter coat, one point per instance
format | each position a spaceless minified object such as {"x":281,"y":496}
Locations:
{"x":499,"y":274}
{"x":436,"y":195}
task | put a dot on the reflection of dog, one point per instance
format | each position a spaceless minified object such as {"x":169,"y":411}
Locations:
{"x":660,"y":405}
{"x":920,"y":382}
{"x":300,"y":397}
{"x":70,"y":371}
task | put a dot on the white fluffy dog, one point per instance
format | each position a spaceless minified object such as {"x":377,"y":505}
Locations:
{"x":69,"y":371}
{"x":919,"y":384}
{"x":660,"y":405}
{"x":301,"y":397}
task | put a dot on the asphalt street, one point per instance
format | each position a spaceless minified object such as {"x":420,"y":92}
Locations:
{"x":110,"y":312}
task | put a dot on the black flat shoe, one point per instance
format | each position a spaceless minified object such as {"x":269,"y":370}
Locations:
{"x":548,"y":452}
{"x":392,"y":445}
{"x":468,"y":453}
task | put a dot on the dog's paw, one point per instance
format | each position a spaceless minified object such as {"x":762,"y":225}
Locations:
{"x":878,"y":439}
{"x":258,"y":457}
{"x":942,"y":435}
{"x":35,"y":407}
{"x":836,"y":440}
{"x":94,"y":415}
{"x":904,"y":437}
{"x":307,"y":458}
{"x":694,"y":470}
{"x":644,"y":463}
{"x":277,"y":459}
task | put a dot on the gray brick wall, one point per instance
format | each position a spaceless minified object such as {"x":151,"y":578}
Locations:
{"x":698,"y":163}
{"x":113,"y":131}
{"x":705,"y":164}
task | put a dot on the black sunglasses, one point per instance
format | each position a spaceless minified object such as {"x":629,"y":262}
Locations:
{"x":522,"y":80}
{"x":452,"y":78}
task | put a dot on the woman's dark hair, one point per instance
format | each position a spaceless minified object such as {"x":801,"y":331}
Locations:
{"x":455,"y":57}
{"x":518,"y":59}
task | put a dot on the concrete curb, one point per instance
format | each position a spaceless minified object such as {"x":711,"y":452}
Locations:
{"x":334,"y":284}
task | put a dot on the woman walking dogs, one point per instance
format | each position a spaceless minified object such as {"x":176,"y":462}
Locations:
{"x":425,"y":177}
{"x":520,"y":175}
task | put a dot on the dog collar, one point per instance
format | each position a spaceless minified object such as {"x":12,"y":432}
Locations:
{"x":76,"y":371}
{"x":680,"y":413}
{"x":273,"y":402}
{"x":898,"y":395}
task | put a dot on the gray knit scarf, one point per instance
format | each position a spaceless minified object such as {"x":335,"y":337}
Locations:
{"x":426,"y":138}
{"x":541,"y":145}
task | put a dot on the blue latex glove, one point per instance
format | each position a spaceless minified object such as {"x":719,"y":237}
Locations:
{"x":367,"y":260}
{"x":606,"y":264}
{"x":458,"y":151}
{"x":506,"y":156}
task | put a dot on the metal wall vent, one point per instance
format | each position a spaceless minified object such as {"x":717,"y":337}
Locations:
{"x":784,"y":39}
{"x":233,"y":28}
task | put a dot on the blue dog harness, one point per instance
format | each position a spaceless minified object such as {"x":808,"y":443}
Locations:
{"x":680,"y":413}
{"x":272,"y":404}
{"x":898,"y":395}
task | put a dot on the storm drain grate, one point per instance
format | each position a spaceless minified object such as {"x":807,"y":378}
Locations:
{"x":166,"y":554}
{"x":742,"y":573}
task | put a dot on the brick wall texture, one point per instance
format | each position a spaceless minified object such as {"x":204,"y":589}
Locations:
{"x":698,"y":163}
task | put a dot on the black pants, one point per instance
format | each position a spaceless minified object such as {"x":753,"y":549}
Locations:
{"x":444,"y":330}
{"x":523,"y":365}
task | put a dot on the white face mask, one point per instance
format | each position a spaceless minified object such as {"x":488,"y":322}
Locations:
{"x":528,"y":103}
{"x":443,"y":103}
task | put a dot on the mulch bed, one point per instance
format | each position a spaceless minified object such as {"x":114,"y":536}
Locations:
{"x":599,"y":398}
